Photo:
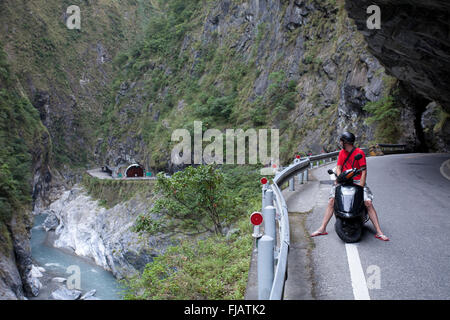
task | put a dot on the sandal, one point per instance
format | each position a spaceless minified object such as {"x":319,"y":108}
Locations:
{"x":318,"y":233}
{"x":382,"y":237}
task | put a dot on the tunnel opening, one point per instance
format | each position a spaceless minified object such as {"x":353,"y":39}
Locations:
{"x":134,"y":170}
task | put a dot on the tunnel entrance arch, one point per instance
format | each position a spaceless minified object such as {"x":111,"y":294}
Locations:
{"x":134,"y":170}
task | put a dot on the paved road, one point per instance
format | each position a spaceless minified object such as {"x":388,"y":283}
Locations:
{"x":412,"y":199}
{"x":98,"y":173}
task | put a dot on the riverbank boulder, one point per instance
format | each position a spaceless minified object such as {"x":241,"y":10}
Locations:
{"x":105,"y":234}
{"x":59,"y":280}
{"x":65,"y":294}
{"x":51,"y":222}
{"x":88,"y":295}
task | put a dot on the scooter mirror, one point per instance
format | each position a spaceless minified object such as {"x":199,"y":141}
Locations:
{"x":330,"y":171}
{"x":358,"y":156}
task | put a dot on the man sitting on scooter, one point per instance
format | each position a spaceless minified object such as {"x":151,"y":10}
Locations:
{"x":345,"y":161}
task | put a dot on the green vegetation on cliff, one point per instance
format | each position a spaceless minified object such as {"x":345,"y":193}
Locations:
{"x":232,"y":66}
{"x":66,"y":73}
{"x":384,"y":113}
{"x":215,"y":268}
{"x":20,"y":137}
{"x":212,"y":268}
{"x":196,"y":200}
{"x":174,"y":76}
{"x":111,"y":192}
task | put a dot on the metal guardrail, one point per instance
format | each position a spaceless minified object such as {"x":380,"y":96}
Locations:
{"x":287,"y":172}
{"x":277,"y":290}
{"x":392,"y":148}
{"x":277,"y":248}
{"x":384,"y":145}
{"x":324,"y":156}
{"x":281,"y":241}
{"x":299,"y":166}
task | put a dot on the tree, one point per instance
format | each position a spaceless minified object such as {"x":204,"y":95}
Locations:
{"x":194,"y":200}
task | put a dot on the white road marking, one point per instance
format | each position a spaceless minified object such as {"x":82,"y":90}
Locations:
{"x":360,"y":290}
{"x":443,"y":169}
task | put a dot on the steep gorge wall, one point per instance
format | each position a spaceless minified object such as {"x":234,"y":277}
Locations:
{"x":66,"y":74}
{"x":104,"y":234}
{"x":55,"y":83}
{"x":299,"y":66}
{"x":413,"y":44}
{"x":24,"y":149}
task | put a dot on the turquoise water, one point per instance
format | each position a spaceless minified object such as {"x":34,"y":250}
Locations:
{"x":56,"y":262}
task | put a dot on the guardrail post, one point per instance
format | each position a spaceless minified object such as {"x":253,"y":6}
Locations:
{"x":291,"y":184}
{"x":265,"y":264}
{"x":305,"y":175}
{"x":268,"y":198}
{"x":300,"y":178}
{"x":264,"y":189}
{"x":269,"y":213}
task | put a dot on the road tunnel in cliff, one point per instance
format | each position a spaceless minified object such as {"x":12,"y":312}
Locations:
{"x":134,"y":170}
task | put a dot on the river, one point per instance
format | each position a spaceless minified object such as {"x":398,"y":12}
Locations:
{"x":56,"y":261}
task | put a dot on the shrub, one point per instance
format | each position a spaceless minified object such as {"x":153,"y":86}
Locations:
{"x":112,"y":192}
{"x":384,"y":114}
{"x":215,"y":268}
{"x":219,"y":108}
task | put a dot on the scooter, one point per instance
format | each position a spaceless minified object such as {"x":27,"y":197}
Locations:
{"x":349,"y":208}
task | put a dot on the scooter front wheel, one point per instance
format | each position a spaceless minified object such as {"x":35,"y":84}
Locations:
{"x":349,"y":230}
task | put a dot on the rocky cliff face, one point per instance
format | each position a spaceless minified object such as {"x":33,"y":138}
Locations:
{"x":299,"y":66}
{"x":413,"y":44}
{"x":104,"y":235}
{"x":56,"y":82}
{"x":15,"y":260}
{"x":66,"y":73}
{"x":24,"y":150}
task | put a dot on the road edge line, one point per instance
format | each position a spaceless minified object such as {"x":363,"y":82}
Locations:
{"x":445,"y":163}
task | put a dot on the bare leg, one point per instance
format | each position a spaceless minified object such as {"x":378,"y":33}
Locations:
{"x":373,"y":216}
{"x":326,"y":217}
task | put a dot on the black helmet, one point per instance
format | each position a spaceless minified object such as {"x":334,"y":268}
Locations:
{"x":348,"y":137}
